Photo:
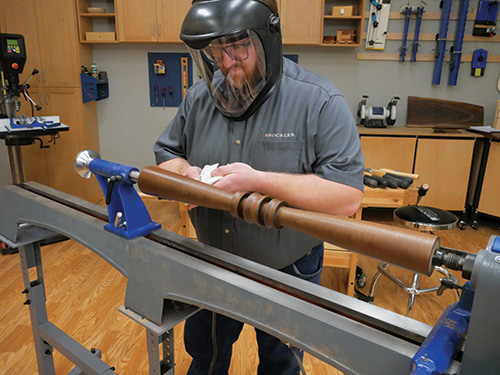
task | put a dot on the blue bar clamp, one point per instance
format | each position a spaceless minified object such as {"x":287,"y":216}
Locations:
{"x":128,"y":216}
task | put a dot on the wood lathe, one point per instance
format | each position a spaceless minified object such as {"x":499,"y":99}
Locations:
{"x":170,"y":277}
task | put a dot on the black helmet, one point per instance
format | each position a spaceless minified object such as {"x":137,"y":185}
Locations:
{"x":247,"y":32}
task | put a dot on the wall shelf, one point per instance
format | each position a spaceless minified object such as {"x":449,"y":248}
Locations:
{"x":381,"y":56}
{"x":342,"y":17}
{"x":98,"y":15}
{"x":97,"y":27}
{"x":339,"y":30}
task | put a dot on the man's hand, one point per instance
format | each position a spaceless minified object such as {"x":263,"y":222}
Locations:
{"x":193,"y":172}
{"x":181,"y":166}
{"x":237,"y":177}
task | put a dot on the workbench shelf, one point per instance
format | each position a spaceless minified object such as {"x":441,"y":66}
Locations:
{"x":422,"y":151}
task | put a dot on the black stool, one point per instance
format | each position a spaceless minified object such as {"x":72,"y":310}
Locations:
{"x":425,"y":219}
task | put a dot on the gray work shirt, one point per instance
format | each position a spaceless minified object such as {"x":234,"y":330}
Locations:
{"x":304,"y":127}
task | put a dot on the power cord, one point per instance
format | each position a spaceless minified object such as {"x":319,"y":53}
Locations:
{"x":214,"y":344}
{"x":214,"y":349}
{"x":297,"y":358}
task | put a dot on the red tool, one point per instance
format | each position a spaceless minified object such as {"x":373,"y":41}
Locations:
{"x":171,"y":93}
{"x":156,"y":94}
{"x":163,"y":95}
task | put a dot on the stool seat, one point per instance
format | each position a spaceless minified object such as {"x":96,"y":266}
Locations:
{"x":425,"y":219}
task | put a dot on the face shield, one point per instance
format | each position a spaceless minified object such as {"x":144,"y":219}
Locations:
{"x":236,"y":45}
{"x":234,"y":68}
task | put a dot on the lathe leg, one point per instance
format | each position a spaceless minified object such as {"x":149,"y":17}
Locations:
{"x":35,"y":293}
{"x":157,"y":365}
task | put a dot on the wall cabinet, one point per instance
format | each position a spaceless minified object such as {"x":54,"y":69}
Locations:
{"x":49,"y":49}
{"x":160,"y":20}
{"x":57,"y":37}
{"x":301,"y":21}
{"x":489,"y":203}
{"x":342,"y":23}
{"x":97,"y":26}
{"x":309,"y":22}
{"x":442,"y":162}
{"x":53,"y":166}
{"x":379,"y":152}
{"x":53,"y":48}
{"x":27,"y":26}
{"x":445,"y":165}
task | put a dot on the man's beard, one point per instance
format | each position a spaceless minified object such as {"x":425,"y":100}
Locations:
{"x":242,"y":85}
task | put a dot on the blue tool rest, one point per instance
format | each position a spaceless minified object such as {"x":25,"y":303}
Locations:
{"x":135,"y":220}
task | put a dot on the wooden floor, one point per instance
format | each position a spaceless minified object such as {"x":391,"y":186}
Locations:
{"x":84,"y":292}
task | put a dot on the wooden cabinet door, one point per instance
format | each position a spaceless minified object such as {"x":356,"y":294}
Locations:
{"x":489,"y":202}
{"x":137,"y":20}
{"x":445,"y":165}
{"x":389,"y":152}
{"x":58,"y":38}
{"x":170,"y":17}
{"x":35,"y":159}
{"x":67,"y":103}
{"x":301,"y":21}
{"x":20,"y":18}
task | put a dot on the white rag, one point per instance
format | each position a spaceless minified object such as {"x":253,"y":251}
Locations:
{"x":206,"y":174}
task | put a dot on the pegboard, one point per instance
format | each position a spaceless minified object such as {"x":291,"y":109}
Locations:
{"x":166,"y":88}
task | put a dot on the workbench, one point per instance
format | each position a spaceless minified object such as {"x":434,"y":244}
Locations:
{"x":443,"y":160}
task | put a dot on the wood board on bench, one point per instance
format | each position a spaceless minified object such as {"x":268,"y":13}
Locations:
{"x":439,"y":113}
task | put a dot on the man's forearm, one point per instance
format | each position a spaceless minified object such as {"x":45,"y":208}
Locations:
{"x":311,"y":192}
{"x":178,"y":165}
{"x":308,"y":191}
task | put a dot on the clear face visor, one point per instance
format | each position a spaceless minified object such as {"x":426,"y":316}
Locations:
{"x":234,"y":68}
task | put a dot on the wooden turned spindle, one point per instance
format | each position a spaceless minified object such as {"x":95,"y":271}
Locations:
{"x":402,"y":247}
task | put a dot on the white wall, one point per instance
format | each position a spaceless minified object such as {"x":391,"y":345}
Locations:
{"x":128,"y":126}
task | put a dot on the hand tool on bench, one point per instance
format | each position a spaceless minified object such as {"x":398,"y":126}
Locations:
{"x":381,"y":182}
{"x":405,"y":174}
{"x":369,"y":181}
{"x":399,"y":177}
{"x":403,"y":184}
{"x":402,"y":181}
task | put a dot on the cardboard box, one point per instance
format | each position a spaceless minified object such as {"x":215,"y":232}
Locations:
{"x":100,"y":37}
{"x":343,"y":11}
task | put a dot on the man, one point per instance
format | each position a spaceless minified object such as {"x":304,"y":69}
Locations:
{"x":276,"y":129}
